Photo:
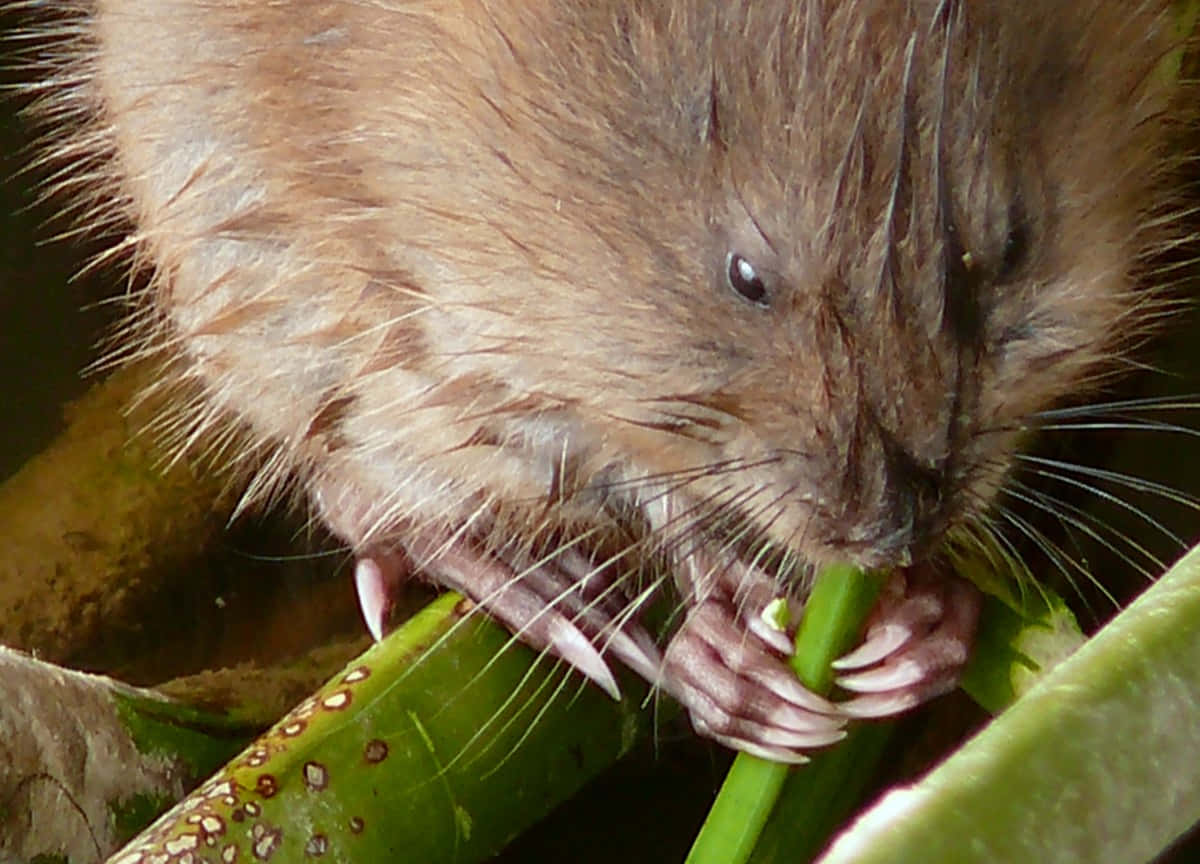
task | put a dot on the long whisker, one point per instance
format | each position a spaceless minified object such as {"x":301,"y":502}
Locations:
{"x":1122,"y":426}
{"x":1097,"y":492}
{"x":708,"y":469}
{"x":1099,"y":409}
{"x":1062,"y":562}
{"x":996,"y":542}
{"x":1129,"y":481}
{"x":1080,"y":519}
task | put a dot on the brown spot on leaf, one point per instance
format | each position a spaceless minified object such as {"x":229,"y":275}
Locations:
{"x":316,"y":776}
{"x":257,"y":757}
{"x":266,"y":842}
{"x":181,"y":844}
{"x":337,"y":701}
{"x":375,"y":751}
{"x":317,"y":845}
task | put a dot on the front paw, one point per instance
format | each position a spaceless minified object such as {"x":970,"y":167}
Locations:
{"x":917,"y":643}
{"x":738,"y":688}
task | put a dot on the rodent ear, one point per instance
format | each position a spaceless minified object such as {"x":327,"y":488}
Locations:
{"x":745,"y":280}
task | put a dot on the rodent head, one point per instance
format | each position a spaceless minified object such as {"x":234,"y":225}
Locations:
{"x":805,"y":271}
{"x":790,"y":272}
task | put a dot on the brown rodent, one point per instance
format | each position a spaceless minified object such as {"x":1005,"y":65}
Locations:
{"x":540,"y":300}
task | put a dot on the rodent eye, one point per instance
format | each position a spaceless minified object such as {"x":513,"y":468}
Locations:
{"x":744,"y":279}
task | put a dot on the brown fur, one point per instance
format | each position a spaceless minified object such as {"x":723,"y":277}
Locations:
{"x":462,"y":264}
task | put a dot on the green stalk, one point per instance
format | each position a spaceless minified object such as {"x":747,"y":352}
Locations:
{"x":440,"y":743}
{"x":1096,"y":762}
{"x":833,"y":617}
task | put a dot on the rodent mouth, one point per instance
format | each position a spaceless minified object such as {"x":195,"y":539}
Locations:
{"x":680,"y":527}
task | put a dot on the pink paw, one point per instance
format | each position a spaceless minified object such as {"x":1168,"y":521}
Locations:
{"x":917,"y":643}
{"x":739,"y":690}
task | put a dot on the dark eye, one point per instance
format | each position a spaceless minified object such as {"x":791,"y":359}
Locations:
{"x":744,"y":279}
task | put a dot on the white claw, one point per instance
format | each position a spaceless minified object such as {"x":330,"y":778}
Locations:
{"x":788,"y":757}
{"x":797,"y":740}
{"x":777,"y":639}
{"x":788,"y":687}
{"x":570,"y":644}
{"x":642,"y":658}
{"x":799,"y":721}
{"x":884,"y":679}
{"x":372,"y":594}
{"x":885,"y":641}
{"x":879,"y":705}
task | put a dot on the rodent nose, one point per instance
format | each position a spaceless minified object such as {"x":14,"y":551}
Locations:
{"x":913,"y":499}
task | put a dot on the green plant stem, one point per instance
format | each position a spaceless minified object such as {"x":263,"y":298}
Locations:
{"x":833,"y":617}
{"x":1096,"y":762}
{"x":440,"y":743}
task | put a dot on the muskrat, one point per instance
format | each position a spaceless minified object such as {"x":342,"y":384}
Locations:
{"x":560,"y":304}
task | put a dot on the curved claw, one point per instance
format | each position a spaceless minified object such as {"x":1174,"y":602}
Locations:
{"x":787,"y":739}
{"x":372,"y":598}
{"x":776,"y":638}
{"x":915,"y":651}
{"x":532,"y":617}
{"x":376,"y":578}
{"x":636,"y":650}
{"x":572,"y":585}
{"x":781,"y":735}
{"x":754,"y":748}
{"x":741,"y":744}
{"x":877,"y":706}
{"x":779,"y":729}
{"x":885,"y":640}
{"x":710,"y":625}
{"x":742,"y":694}
{"x":569,"y":643}
{"x":893,"y":676}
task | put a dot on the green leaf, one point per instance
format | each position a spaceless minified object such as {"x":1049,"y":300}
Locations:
{"x":1097,"y":762}
{"x":440,"y":743}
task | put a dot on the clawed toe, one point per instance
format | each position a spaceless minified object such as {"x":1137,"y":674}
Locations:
{"x":880,"y":643}
{"x":916,"y":648}
{"x":741,"y":693}
{"x":711,"y":633}
{"x":376,"y":578}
